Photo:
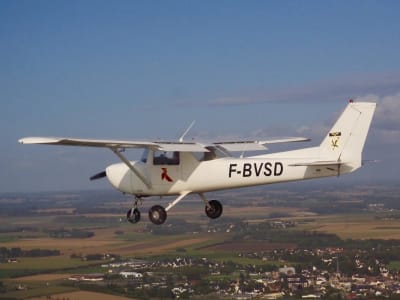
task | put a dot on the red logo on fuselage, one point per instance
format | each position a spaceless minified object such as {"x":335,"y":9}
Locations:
{"x":165,"y":176}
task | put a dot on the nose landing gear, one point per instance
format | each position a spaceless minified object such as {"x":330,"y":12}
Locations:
{"x":133,"y":215}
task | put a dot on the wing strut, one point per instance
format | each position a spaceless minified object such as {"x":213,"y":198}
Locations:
{"x":130,"y":166}
{"x":181,"y":196}
{"x":186,"y":131}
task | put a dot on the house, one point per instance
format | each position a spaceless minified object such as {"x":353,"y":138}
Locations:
{"x":127,"y":275}
{"x":87,"y":277}
{"x":287,"y":270}
{"x":297,"y":282}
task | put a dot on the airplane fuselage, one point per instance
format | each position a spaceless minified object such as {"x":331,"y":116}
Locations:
{"x":217,"y":174}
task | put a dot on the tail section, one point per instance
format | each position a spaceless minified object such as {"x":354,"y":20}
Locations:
{"x":345,"y":141}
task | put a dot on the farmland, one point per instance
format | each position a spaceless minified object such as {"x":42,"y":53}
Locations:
{"x":89,"y":229}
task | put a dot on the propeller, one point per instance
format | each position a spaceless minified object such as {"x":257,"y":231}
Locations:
{"x":98,"y":175}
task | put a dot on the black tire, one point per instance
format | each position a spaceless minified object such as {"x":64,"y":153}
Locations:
{"x":214,"y":209}
{"x":157,"y":214}
{"x":133,"y":215}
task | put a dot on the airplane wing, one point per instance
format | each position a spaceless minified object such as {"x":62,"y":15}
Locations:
{"x":87,"y":142}
{"x":231,"y":146}
{"x":234,"y":146}
{"x":163,"y":146}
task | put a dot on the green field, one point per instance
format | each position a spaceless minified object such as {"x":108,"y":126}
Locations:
{"x":40,"y":265}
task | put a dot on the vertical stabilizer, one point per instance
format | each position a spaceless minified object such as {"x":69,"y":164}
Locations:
{"x":345,"y":141}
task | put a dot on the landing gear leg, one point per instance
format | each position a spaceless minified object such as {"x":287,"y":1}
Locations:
{"x":133,"y":214}
{"x":213,"y":207}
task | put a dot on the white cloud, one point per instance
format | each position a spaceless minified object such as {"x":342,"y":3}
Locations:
{"x":385,"y":128}
{"x":386,"y":123}
{"x":336,"y":89}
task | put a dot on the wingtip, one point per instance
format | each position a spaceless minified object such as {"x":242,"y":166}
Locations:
{"x":38,"y":140}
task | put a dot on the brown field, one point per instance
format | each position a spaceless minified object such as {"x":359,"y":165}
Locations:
{"x":231,"y":211}
{"x":159,"y":246}
{"x":248,"y":246}
{"x":42,"y":277}
{"x":356,"y":227}
{"x":105,"y":242}
{"x":82,"y":295}
{"x":56,"y":210}
{"x":133,"y":242}
{"x":66,"y":246}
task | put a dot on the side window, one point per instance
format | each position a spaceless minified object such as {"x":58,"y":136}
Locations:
{"x":166,"y":158}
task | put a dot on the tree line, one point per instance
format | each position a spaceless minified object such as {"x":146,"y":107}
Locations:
{"x":15,"y":252}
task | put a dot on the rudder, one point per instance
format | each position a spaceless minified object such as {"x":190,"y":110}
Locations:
{"x":345,"y":141}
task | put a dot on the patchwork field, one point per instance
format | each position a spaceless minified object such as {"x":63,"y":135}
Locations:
{"x":110,"y":233}
{"x":82,"y":295}
{"x":360,"y":226}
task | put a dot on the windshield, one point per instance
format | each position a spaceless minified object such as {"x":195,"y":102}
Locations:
{"x":145,"y":154}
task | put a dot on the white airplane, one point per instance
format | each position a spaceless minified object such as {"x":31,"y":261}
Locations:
{"x":182,"y":168}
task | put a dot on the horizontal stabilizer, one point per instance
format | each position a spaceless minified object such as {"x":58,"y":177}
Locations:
{"x":317,"y":163}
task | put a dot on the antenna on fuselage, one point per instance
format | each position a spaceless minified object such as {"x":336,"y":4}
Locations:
{"x":186,"y":131}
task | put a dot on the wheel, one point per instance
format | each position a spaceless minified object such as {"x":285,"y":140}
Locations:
{"x":133,"y":215}
{"x":214,"y":209}
{"x":157,"y":214}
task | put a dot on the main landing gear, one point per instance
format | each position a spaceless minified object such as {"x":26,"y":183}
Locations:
{"x":158,"y":214}
{"x":213,"y":209}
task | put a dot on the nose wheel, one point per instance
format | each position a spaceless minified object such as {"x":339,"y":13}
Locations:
{"x":214,"y":209}
{"x":133,"y":215}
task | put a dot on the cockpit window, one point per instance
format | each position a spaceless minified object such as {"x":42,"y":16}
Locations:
{"x":166,"y":158}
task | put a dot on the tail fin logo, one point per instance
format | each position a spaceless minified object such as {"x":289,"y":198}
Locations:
{"x":335,"y":139}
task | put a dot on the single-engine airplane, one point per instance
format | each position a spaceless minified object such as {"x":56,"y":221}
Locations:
{"x":182,"y":168}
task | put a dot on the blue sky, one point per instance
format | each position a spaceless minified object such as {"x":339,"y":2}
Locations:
{"x":146,"y":69}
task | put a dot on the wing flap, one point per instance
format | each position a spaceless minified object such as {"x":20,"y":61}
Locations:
{"x":258,"y":145}
{"x":182,"y":147}
{"x":241,"y":146}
